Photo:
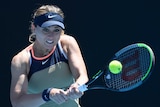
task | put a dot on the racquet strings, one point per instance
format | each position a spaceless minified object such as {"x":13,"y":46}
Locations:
{"x":136,"y":66}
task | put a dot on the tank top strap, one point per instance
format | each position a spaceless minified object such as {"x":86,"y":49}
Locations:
{"x":61,"y":49}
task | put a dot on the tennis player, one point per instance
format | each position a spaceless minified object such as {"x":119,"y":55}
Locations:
{"x":47,"y":73}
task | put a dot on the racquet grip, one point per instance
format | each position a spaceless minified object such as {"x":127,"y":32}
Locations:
{"x":83,"y":88}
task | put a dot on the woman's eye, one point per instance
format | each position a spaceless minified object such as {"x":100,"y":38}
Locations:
{"x":56,"y":30}
{"x":45,"y":30}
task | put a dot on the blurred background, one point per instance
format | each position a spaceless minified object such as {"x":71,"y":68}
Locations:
{"x":101,"y":29}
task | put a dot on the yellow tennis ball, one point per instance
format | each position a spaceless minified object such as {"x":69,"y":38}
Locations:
{"x":115,"y":66}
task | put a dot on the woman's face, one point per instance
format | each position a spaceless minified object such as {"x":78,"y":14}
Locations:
{"x":48,"y":37}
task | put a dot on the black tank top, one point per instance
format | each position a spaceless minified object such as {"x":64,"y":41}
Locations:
{"x":38,"y":64}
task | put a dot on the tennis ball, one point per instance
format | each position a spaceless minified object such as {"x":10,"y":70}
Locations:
{"x":115,"y":66}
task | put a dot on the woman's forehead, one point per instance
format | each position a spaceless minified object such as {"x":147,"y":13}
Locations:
{"x":51,"y":27}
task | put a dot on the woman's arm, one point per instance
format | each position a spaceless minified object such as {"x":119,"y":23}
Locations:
{"x":75,"y":59}
{"x":19,"y":83}
{"x":77,"y":65}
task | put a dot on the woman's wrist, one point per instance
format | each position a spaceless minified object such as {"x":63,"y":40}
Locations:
{"x":45,"y":94}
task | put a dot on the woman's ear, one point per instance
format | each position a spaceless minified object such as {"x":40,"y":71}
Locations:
{"x":32,"y":27}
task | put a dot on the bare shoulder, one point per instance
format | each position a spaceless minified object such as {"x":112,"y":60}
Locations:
{"x":67,"y":39}
{"x":69,"y":43}
{"x":20,"y":60}
{"x":19,"y":57}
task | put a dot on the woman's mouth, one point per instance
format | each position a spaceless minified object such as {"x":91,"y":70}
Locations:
{"x":49,"y":42}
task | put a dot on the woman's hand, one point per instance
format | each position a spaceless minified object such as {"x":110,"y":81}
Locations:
{"x":59,"y":96}
{"x":73,"y":92}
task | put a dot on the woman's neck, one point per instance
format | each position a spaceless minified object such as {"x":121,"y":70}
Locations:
{"x":41,"y":52}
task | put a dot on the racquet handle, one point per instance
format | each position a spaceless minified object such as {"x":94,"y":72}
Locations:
{"x":83,"y":88}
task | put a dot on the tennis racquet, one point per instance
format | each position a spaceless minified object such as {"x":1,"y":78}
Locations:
{"x":138,"y":61}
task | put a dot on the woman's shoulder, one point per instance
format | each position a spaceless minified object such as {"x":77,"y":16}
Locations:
{"x":22,"y":56}
{"x":67,"y":39}
{"x":68,"y":42}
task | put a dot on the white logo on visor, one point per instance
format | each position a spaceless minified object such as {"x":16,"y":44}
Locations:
{"x":51,"y":16}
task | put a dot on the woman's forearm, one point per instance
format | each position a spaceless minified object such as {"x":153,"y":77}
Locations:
{"x":28,"y":100}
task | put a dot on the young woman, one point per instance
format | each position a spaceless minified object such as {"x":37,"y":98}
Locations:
{"x":47,"y":73}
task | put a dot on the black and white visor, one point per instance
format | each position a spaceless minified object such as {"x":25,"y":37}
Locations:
{"x":49,"y":19}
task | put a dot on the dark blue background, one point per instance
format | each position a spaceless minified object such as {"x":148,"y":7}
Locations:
{"x":101,"y":29}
